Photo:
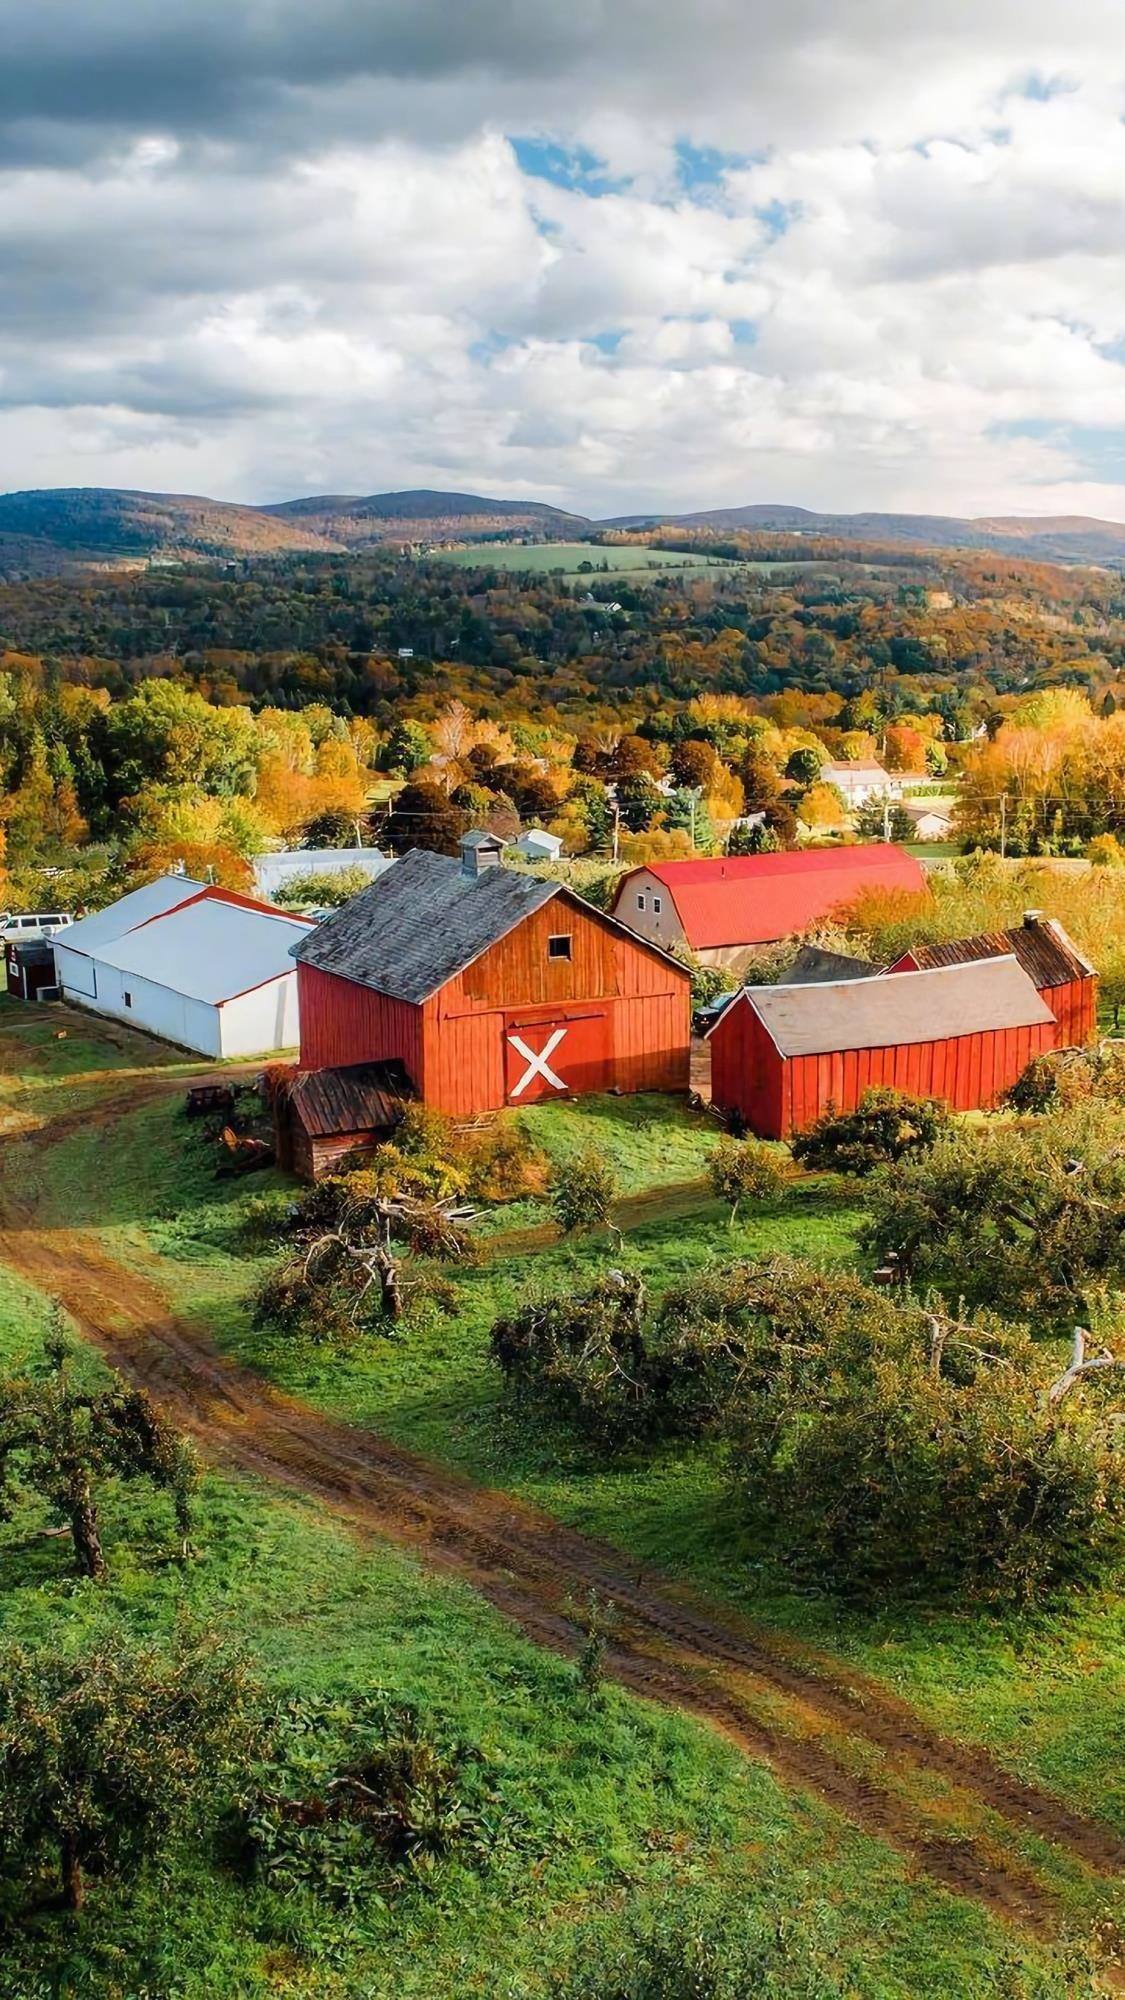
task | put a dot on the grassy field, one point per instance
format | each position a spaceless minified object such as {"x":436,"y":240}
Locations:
{"x":564,"y":558}
{"x":613,"y":1806}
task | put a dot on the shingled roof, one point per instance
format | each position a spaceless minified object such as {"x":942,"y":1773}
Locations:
{"x":813,"y":966}
{"x":1048,"y":956}
{"x":421,"y":923}
{"x":884,"y":1013}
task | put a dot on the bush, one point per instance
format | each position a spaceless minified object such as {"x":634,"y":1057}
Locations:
{"x":886,"y":1125}
{"x":348,"y":1801}
{"x":747,"y":1170}
{"x":583,"y":1358}
{"x":1028,"y":1220}
{"x":1065,"y":1077}
{"x":876,"y":1447}
{"x":584,"y":1192}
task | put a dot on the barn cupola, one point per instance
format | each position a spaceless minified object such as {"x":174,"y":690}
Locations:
{"x":479,"y":851}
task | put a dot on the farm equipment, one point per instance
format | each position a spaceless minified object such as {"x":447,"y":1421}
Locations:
{"x":205,"y":1098}
{"x":243,"y":1154}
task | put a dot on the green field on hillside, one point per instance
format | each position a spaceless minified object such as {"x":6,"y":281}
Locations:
{"x":612,"y":1808}
{"x":565,"y":558}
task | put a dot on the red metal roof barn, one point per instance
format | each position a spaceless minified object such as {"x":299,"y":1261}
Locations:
{"x":1051,"y":960}
{"x":723,"y":909}
{"x":782,"y":1055}
{"x":490,"y":987}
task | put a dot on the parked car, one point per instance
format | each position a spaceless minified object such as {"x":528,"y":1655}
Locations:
{"x":28,"y":925}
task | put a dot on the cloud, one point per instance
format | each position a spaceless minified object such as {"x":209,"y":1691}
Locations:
{"x":625,"y":255}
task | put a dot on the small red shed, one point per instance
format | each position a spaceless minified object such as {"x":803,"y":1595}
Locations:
{"x":1051,"y":960}
{"x":723,"y":910}
{"x":782,"y":1055}
{"x":490,"y":987}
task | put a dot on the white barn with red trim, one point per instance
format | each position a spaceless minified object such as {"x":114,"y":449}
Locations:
{"x":202,"y":967}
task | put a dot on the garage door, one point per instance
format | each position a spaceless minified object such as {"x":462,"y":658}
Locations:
{"x":555,"y":1058}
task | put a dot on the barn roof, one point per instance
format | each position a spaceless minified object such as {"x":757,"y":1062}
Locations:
{"x":758,"y":898}
{"x":421,"y":923}
{"x":1040,"y":944}
{"x":211,"y":949}
{"x":881,"y":1013}
{"x":426,"y":919}
{"x":816,"y":967}
{"x":359,"y":1097}
{"x":152,"y":899}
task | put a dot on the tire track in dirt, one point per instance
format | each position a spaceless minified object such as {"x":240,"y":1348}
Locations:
{"x":537,"y":1573}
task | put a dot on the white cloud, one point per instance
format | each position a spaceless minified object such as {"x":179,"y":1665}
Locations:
{"x":304,"y":261}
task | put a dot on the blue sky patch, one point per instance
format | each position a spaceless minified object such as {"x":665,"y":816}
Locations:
{"x":572,"y":167}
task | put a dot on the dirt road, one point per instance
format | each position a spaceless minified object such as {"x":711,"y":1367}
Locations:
{"x":822,"y":1727}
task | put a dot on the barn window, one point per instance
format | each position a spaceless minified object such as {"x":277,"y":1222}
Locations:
{"x":640,"y":902}
{"x":559,"y":947}
{"x":656,"y":906}
{"x":128,"y":999}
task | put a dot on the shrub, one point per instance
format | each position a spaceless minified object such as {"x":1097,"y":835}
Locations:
{"x":1064,"y":1077}
{"x":886,"y":1125}
{"x":1028,"y":1220}
{"x":584,"y":1192}
{"x":583,"y":1357}
{"x":351,"y":1800}
{"x":747,"y":1170}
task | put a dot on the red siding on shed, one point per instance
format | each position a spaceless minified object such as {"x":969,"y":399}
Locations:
{"x":778,"y":1095}
{"x":623,"y":1008}
{"x":343,"y":1022}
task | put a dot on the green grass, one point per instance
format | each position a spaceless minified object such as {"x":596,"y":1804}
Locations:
{"x":630,"y":1803}
{"x":564,"y":557}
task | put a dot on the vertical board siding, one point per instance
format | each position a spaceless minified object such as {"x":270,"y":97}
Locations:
{"x":342,"y":1022}
{"x":776,"y":1096}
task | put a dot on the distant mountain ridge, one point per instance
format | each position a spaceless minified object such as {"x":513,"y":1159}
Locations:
{"x":51,"y":529}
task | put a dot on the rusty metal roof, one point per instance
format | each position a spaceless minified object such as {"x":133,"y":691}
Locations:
{"x":881,"y":1013}
{"x":1048,"y":956}
{"x":359,"y":1097}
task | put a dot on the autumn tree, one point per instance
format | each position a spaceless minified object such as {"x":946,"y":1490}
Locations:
{"x":747,"y":1170}
{"x":423,"y":816}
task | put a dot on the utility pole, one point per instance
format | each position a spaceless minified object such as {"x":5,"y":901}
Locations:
{"x":886,"y":816}
{"x":1003,"y":824}
{"x":616,"y":829}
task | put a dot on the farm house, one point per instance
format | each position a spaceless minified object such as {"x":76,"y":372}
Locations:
{"x":782,"y":1055}
{"x":490,"y":987}
{"x":1051,"y":960}
{"x":202,"y":967}
{"x":723,"y":910}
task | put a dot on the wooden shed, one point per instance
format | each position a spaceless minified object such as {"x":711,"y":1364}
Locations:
{"x":1051,"y":960}
{"x":328,"y":1119}
{"x":490,"y":988}
{"x":783,"y":1055}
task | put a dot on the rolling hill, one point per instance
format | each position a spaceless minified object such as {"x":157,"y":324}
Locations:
{"x":50,"y":530}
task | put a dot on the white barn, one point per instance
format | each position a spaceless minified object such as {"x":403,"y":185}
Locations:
{"x":198,"y":966}
{"x":274,"y":872}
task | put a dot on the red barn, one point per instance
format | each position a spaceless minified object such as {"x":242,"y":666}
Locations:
{"x":490,"y":988}
{"x":723,"y":909}
{"x":1051,"y":960}
{"x":782,"y":1055}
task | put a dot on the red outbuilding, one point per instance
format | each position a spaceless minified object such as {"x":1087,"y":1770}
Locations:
{"x":1051,"y":960}
{"x":490,"y":987}
{"x":783,"y":1055}
{"x":724,"y":910}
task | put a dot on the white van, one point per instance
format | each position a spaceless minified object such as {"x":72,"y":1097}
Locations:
{"x":28,"y":926}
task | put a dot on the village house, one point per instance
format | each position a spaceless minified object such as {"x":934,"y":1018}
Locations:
{"x":490,"y":987}
{"x":859,"y":782}
{"x":781,"y":1056}
{"x":723,"y":910}
{"x":196,"y":965}
{"x":929,"y":819}
{"x":1063,"y":978}
{"x":536,"y":844}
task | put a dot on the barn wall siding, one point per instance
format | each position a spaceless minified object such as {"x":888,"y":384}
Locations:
{"x":342,"y":1023}
{"x":777,"y":1096}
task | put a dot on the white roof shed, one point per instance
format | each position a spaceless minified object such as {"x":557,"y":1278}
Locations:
{"x":210,"y":972}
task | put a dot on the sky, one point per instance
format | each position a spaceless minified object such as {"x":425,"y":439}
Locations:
{"x":613,"y":254}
